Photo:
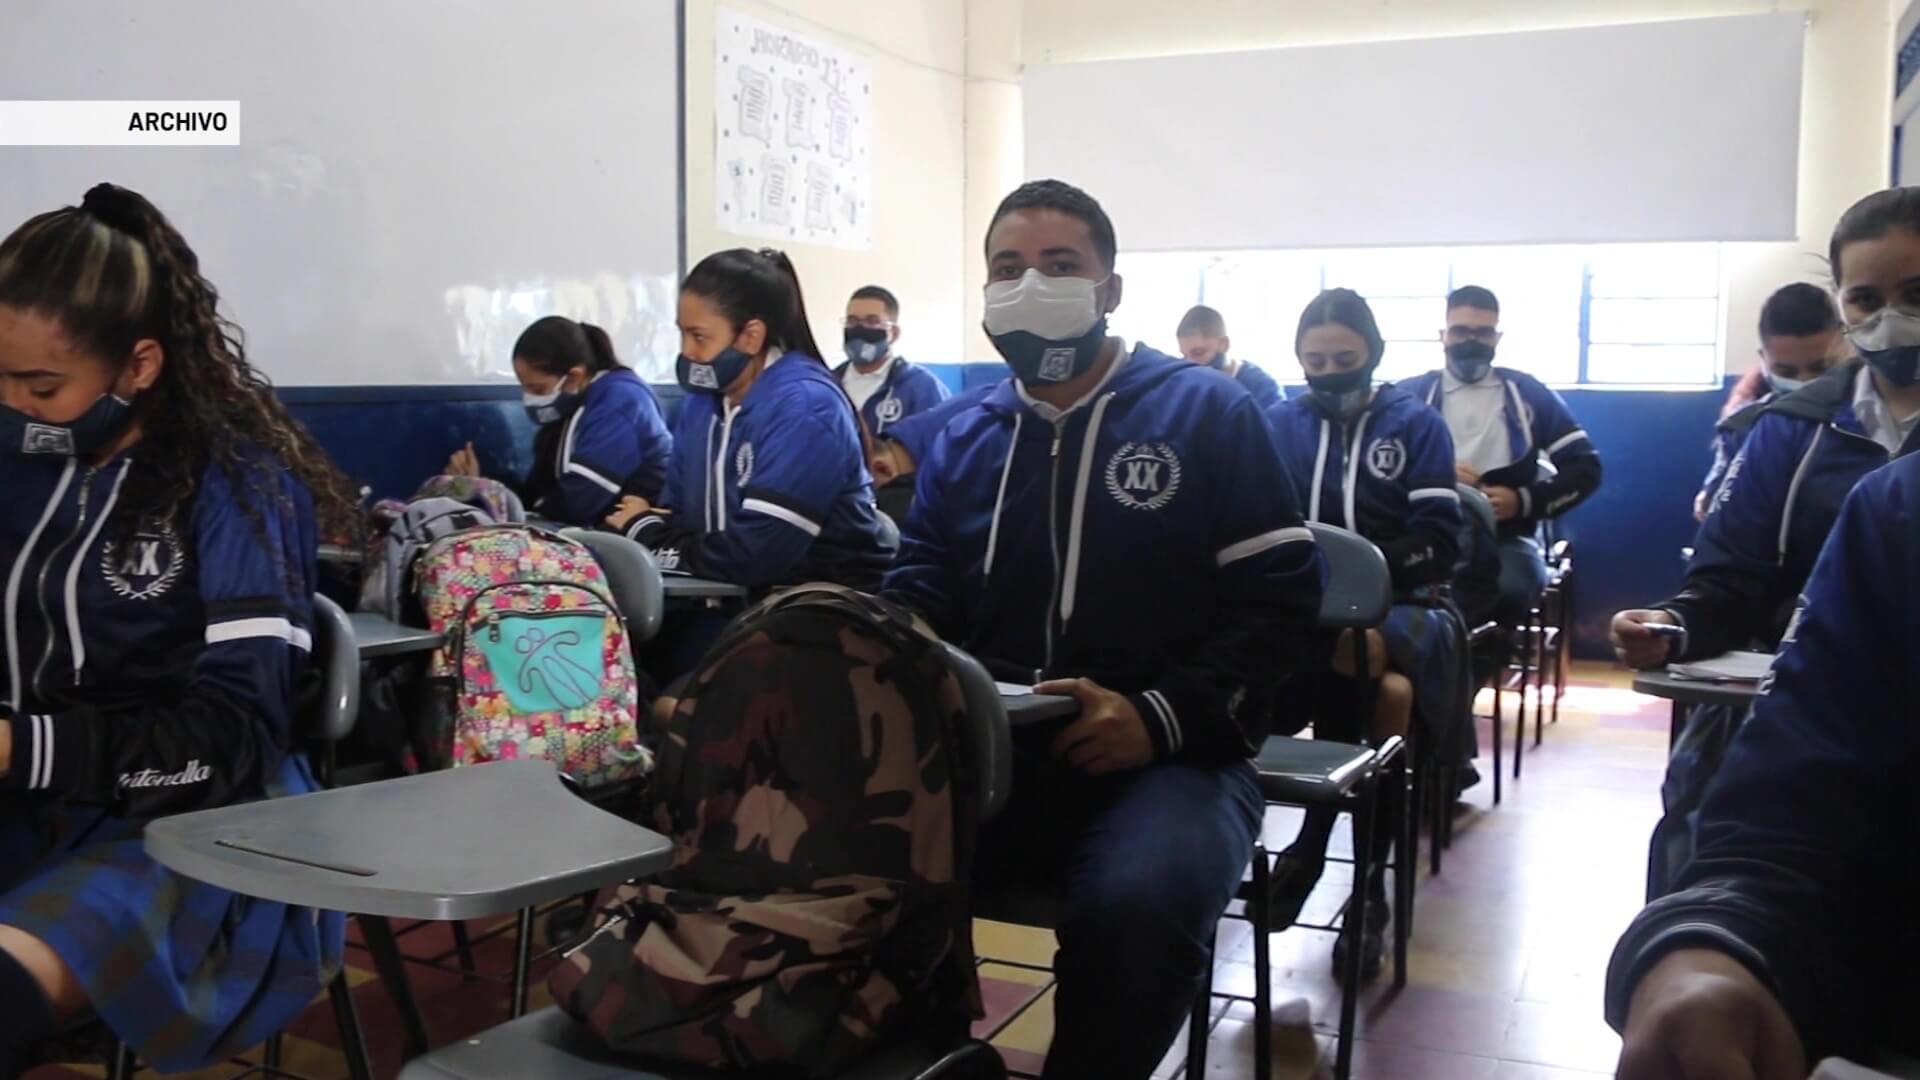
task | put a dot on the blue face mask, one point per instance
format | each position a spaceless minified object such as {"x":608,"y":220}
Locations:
{"x":714,"y":376}
{"x":1889,"y":339}
{"x":84,"y":437}
{"x":545,"y":409}
{"x":1342,"y":393}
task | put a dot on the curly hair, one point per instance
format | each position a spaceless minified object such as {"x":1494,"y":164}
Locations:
{"x":112,"y":272}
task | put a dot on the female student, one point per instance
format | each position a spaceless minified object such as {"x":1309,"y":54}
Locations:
{"x":158,"y":557}
{"x":769,"y":485}
{"x":1771,"y":515}
{"x":601,"y":432}
{"x":1379,"y":462}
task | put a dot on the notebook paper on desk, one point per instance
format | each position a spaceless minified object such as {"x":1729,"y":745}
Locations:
{"x":1729,"y":667}
{"x":1008,"y":689}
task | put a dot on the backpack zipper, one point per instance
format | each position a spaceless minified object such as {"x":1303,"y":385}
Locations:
{"x":462,"y":629}
{"x":40,"y":583}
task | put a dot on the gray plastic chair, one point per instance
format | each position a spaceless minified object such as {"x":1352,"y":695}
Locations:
{"x":1359,"y":586}
{"x":1474,"y":501}
{"x":633,"y":577}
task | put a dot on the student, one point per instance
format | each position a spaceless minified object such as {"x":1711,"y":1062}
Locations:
{"x":601,"y":432}
{"x":882,"y":385}
{"x":1203,"y":340}
{"x":158,"y":554}
{"x":1771,"y":515}
{"x":1379,"y":462}
{"x":1788,"y":938}
{"x":1114,"y":524}
{"x":1502,"y":421}
{"x":897,"y":454}
{"x":1800,"y":338}
{"x":769,"y":484}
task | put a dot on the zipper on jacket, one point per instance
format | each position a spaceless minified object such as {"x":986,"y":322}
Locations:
{"x":720,"y":469}
{"x":40,"y":583}
{"x":1053,"y":541}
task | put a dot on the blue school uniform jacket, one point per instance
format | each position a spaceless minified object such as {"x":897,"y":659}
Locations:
{"x":1729,"y":435}
{"x":1148,"y":540}
{"x":1537,"y":423}
{"x":1771,"y":515}
{"x":1387,"y":474}
{"x":773,"y":492}
{"x":1266,"y":393}
{"x":152,"y":673}
{"x":915,"y":434}
{"x":1804,"y":869}
{"x":908,"y":390}
{"x":614,"y":443}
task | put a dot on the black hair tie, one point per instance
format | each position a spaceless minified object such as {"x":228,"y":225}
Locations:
{"x":115,"y":207}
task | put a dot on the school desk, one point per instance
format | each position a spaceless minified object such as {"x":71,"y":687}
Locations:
{"x":1685,"y":694}
{"x":1024,"y":707}
{"x":380,"y":636}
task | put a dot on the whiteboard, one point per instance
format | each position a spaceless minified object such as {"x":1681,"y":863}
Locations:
{"x":417,"y":181}
{"x":1659,"y":131}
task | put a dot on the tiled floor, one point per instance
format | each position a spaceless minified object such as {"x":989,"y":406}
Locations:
{"x":1508,"y":953}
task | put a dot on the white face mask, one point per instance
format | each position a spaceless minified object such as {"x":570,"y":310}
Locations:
{"x":1051,"y":308}
{"x":1783,"y":385}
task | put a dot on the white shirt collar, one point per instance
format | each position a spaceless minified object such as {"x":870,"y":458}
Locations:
{"x":1052,"y":415}
{"x":1450,"y":383}
{"x":1876,"y":416}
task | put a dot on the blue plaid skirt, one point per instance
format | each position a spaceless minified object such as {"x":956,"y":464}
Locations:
{"x":186,"y":973}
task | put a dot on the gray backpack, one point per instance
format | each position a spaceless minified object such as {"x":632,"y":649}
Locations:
{"x":386,"y":583}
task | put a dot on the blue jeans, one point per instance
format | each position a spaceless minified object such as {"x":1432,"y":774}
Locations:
{"x":1145,"y":862}
{"x":1523,"y":577}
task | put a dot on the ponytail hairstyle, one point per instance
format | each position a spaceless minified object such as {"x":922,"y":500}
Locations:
{"x":556,"y":345}
{"x":744,"y":285}
{"x":1343,"y":307}
{"x":112,"y":272}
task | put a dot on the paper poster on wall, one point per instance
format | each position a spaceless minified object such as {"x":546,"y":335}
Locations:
{"x":793,"y":147}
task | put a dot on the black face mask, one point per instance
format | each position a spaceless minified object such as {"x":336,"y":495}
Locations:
{"x":1342,"y":393}
{"x":82,"y":437}
{"x":866,"y":344}
{"x":1470,"y":361}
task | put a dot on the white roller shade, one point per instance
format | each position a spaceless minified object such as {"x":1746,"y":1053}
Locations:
{"x":1685,"y":130}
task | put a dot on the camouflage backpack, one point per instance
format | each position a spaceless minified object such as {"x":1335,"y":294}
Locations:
{"x":815,"y":781}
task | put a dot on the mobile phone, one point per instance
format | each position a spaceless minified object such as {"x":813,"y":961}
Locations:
{"x":1666,"y":630}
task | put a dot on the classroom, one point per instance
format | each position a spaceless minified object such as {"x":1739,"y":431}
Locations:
{"x":959,"y":539}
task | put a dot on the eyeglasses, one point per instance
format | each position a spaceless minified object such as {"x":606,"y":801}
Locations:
{"x":871,"y":322}
{"x":1472,"y":333}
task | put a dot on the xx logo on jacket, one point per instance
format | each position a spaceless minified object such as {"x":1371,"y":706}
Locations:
{"x":1387,"y":459}
{"x":743,"y":463}
{"x":1143,"y":476}
{"x":148,"y":567}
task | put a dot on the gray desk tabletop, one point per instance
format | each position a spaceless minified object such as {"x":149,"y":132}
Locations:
{"x":679,"y":587}
{"x":463,"y":843}
{"x":381,"y":636}
{"x":1660,"y":684}
{"x":1024,"y":709}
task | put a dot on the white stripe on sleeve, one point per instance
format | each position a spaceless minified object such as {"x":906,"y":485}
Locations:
{"x":1254,"y":545}
{"x":581,"y":470}
{"x":41,"y":774}
{"x":1433,"y":493}
{"x":774,"y":510}
{"x":264,"y":627}
{"x":1175,"y":738}
{"x":1565,"y":441}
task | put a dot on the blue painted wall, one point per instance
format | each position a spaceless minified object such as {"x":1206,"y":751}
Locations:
{"x":1627,"y":537}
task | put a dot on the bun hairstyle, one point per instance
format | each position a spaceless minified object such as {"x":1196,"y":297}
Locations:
{"x":112,"y":272}
{"x":744,"y":285}
{"x":556,"y":345}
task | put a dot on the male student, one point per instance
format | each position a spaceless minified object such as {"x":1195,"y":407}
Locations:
{"x":1203,"y":340}
{"x":897,"y":454}
{"x":1114,"y":524}
{"x":1790,"y":935}
{"x":1800,"y":338}
{"x":885,"y":388}
{"x":1502,"y":422}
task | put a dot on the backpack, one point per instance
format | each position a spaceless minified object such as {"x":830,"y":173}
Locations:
{"x":496,"y":498}
{"x":816,"y":784}
{"x":397,"y":533}
{"x":537,"y":662}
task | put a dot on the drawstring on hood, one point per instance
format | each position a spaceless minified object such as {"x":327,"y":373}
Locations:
{"x":1067,"y":587}
{"x":1000,"y":497}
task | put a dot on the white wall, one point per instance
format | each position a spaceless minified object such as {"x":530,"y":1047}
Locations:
{"x":918,"y":51}
{"x":1845,"y":109}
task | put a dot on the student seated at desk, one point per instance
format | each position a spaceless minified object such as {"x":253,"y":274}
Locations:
{"x":1800,"y":338}
{"x":1203,"y":339}
{"x":1377,"y":461}
{"x":1503,"y":422}
{"x":158,"y":554}
{"x":1771,"y":515}
{"x":1789,"y":935}
{"x":897,"y":454}
{"x":882,"y":385}
{"x":769,"y":484}
{"x":601,"y":432}
{"x":1114,"y":524}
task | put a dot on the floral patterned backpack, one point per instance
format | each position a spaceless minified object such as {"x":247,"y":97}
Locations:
{"x":537,"y":657}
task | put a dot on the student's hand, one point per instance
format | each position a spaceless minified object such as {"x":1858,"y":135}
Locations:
{"x":1700,"y":507}
{"x":1701,"y":1015}
{"x":629,"y":507}
{"x":1636,"y":646}
{"x":1465,"y":474}
{"x":464,"y":462}
{"x":1506,"y":502}
{"x":1107,"y":737}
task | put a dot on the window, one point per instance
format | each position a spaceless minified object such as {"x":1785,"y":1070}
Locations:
{"x":1624,"y":314}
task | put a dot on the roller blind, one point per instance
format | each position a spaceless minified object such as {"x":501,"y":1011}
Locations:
{"x":1683,"y":130}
